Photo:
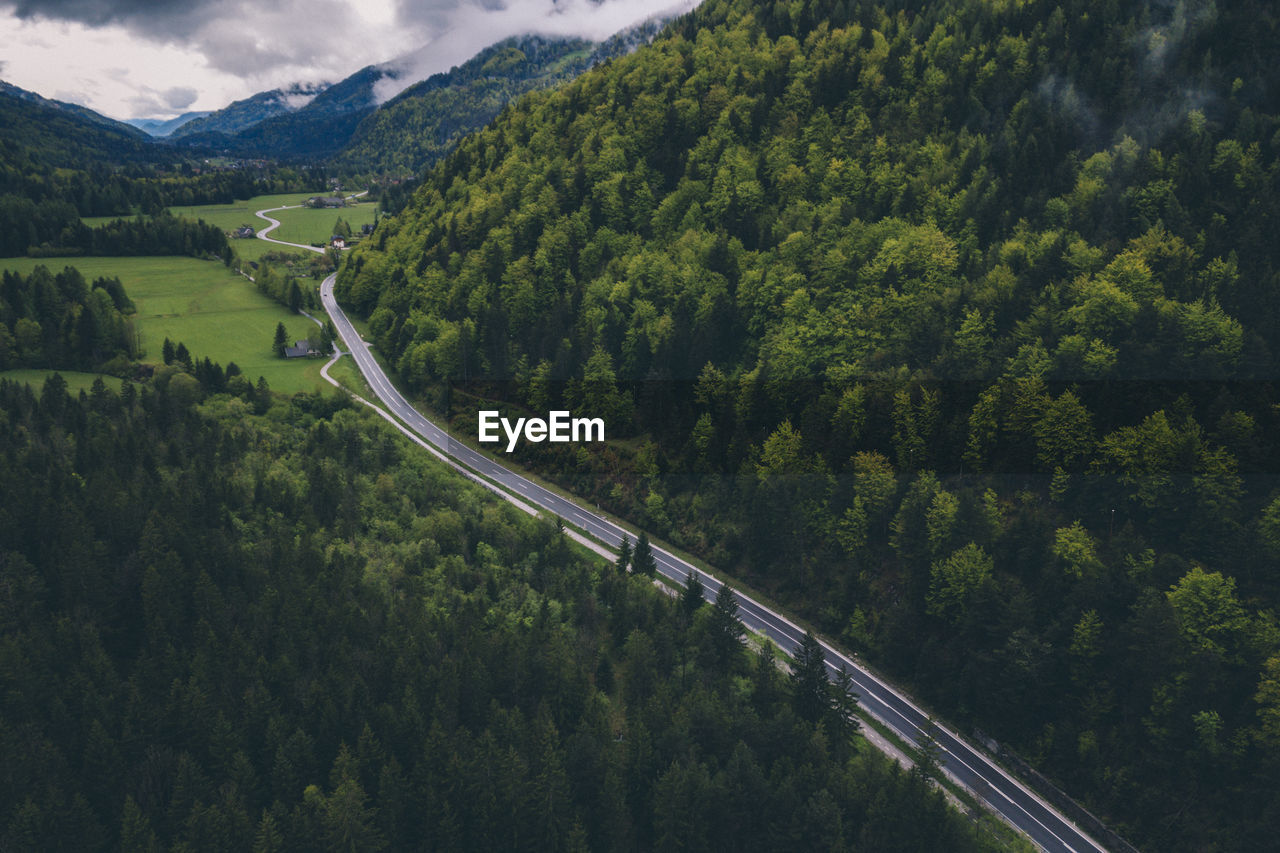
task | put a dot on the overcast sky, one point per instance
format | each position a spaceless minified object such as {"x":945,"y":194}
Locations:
{"x":159,"y":58}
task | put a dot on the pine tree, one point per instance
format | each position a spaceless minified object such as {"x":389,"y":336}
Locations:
{"x":727,"y":630}
{"x":642,"y":561}
{"x":844,"y":703}
{"x":928,"y":750}
{"x":261,"y":396}
{"x":166,"y":351}
{"x":811,"y":688}
{"x":183,"y":356}
{"x":281,"y":340}
{"x":693,"y":596}
{"x":624,"y":555}
{"x":136,"y":834}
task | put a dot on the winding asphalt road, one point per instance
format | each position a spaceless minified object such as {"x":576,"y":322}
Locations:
{"x":967,"y":765}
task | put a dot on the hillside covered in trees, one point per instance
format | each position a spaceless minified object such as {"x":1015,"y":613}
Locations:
{"x":68,"y":135}
{"x":424,"y":122}
{"x":232,"y":622}
{"x":953,"y":325}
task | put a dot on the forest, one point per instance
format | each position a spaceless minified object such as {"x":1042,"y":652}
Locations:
{"x":952,"y":326}
{"x":60,"y":320}
{"x":232,"y":621}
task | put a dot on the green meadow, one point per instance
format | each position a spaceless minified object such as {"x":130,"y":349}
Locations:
{"x":307,"y":226}
{"x":229,"y":217}
{"x":202,"y":304}
{"x":300,"y":225}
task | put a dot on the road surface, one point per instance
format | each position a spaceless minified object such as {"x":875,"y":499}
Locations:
{"x":1013,"y":801}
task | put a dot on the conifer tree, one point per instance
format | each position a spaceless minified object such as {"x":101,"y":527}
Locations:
{"x":928,"y":750}
{"x":693,"y":596}
{"x":624,"y":555}
{"x":281,"y":340}
{"x":643,"y":562}
{"x":809,"y":679}
{"x":726,"y":628}
{"x":844,"y":703}
{"x":166,"y":351}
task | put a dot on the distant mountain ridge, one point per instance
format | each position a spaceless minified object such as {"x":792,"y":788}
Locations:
{"x":345,"y":120}
{"x":247,"y":112}
{"x":162,"y":127}
{"x":411,"y":130}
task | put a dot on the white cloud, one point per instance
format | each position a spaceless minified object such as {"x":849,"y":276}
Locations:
{"x":468,"y":28}
{"x":298,"y":100}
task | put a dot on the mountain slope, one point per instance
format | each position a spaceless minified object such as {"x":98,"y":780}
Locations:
{"x":320,"y":128}
{"x":39,"y":130}
{"x":83,"y":113}
{"x":166,"y":127}
{"x":422,"y":123}
{"x":927,"y":318}
{"x":246,"y":113}
{"x":413,"y":129}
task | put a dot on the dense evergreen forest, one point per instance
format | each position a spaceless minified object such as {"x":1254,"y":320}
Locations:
{"x":953,"y":325}
{"x":163,"y":234}
{"x":234,"y":622}
{"x":59,"y":320}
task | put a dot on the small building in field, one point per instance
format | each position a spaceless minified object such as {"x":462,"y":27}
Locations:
{"x":326,"y":201}
{"x":301,"y":349}
{"x":244,"y":231}
{"x":337,"y":242}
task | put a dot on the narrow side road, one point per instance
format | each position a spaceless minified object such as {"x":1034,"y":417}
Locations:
{"x":1006,"y":796}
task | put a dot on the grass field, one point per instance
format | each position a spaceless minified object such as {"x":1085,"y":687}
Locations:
{"x":228,"y":217}
{"x":215,"y":312}
{"x":303,"y":225}
{"x":316,"y":226}
{"x":76,"y":382}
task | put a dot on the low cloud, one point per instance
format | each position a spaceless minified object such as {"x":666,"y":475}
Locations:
{"x":238,"y":47}
{"x":464,"y":30}
{"x":180,"y":97}
{"x":1180,"y":18}
{"x":147,"y":102}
